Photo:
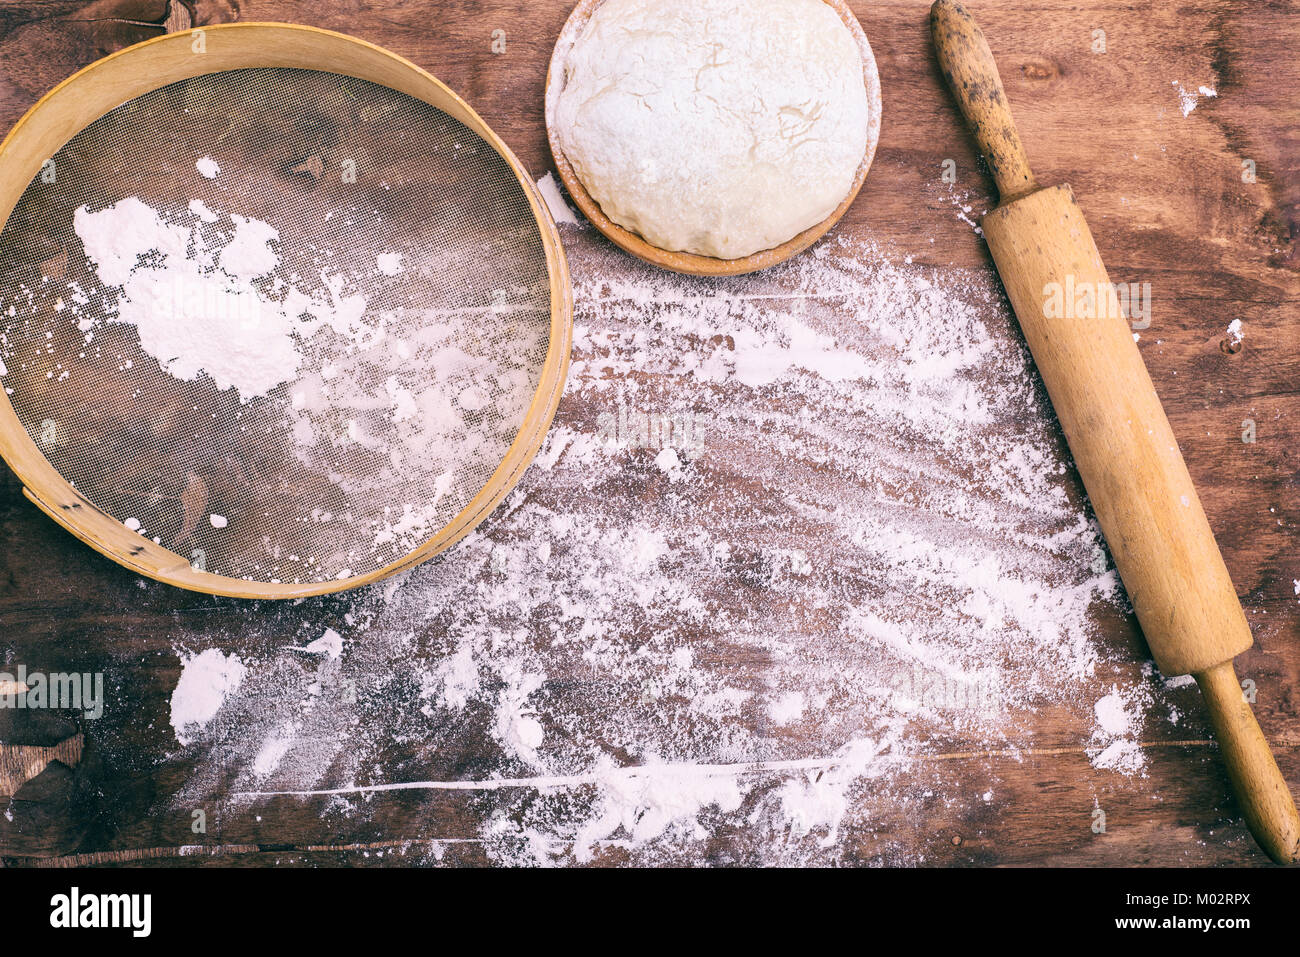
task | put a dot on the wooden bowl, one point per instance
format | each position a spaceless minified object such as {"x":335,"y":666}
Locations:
{"x":108,"y":83}
{"x":693,"y":263}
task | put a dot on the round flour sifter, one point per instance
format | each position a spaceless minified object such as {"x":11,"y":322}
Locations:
{"x":279,"y":314}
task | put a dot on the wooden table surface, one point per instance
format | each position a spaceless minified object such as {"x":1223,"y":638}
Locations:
{"x":1165,"y":196}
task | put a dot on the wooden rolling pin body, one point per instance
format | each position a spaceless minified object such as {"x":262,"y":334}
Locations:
{"x":1117,"y":430}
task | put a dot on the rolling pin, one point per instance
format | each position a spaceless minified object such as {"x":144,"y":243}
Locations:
{"x":1117,"y":431}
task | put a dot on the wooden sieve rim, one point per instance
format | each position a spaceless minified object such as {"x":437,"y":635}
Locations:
{"x":116,"y":79}
{"x":692,"y":263}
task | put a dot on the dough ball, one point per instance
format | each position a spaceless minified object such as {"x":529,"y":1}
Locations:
{"x":718,"y":127}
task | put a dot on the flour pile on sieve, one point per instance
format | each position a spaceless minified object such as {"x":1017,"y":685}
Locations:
{"x":212,"y":303}
{"x":800,"y":548}
{"x":404,"y":408}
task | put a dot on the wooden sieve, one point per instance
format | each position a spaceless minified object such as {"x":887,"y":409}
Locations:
{"x":692,"y":263}
{"x":508,"y":218}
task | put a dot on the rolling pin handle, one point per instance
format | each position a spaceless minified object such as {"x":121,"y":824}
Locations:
{"x":972,"y":75}
{"x":1261,"y":790}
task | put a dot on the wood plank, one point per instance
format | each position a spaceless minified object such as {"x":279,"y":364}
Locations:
{"x":1165,"y":199}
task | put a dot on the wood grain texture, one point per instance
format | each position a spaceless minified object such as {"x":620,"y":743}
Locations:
{"x":1165,"y":197}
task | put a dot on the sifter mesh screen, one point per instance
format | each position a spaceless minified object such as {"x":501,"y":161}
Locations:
{"x":397,"y":413}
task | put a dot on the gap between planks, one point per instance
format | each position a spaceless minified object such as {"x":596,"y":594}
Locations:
{"x":704,"y":770}
{"x":203,"y":850}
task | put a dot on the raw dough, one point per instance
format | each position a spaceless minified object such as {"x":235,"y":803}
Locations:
{"x":717,"y":127}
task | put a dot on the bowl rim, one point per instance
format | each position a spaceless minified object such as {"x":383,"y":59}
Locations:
{"x":695,"y":264}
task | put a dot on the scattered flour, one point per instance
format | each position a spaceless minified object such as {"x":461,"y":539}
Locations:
{"x":873,"y":556}
{"x":207,"y":167}
{"x":207,"y":680}
{"x":117,"y":237}
{"x":272,"y":753}
{"x":787,"y":708}
{"x":329,"y":644}
{"x":453,"y":682}
{"x":201,"y":210}
{"x":669,"y":463}
{"x":1235,"y":333}
{"x":1187,"y":99}
{"x":192,"y":319}
{"x":559,"y":208}
{"x":1115,"y":733}
{"x":249,"y":253}
{"x":205,"y":307}
{"x":1113,"y":716}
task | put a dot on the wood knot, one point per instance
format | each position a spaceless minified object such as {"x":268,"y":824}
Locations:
{"x":1040,"y":68}
{"x":312,"y":166}
{"x":1230,"y":345}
